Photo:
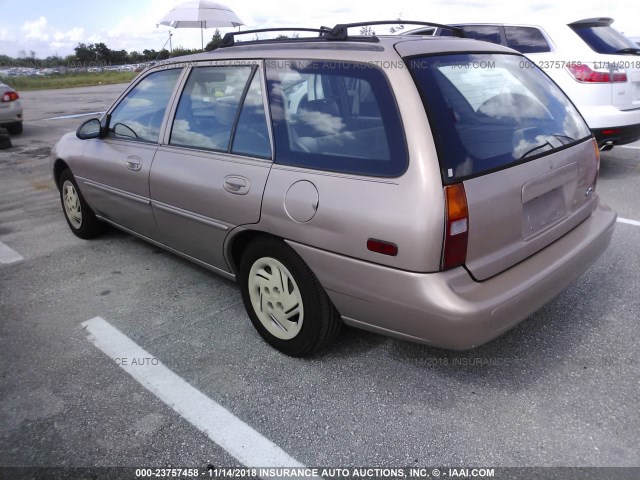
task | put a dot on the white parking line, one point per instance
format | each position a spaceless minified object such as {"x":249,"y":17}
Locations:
{"x":75,"y":115}
{"x":9,"y":255}
{"x":236,"y":437}
{"x":629,"y":146}
{"x":630,"y":222}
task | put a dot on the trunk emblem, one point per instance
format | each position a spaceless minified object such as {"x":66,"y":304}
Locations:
{"x":588,"y":192}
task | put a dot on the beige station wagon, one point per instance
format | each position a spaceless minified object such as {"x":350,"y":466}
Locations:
{"x":439,"y":190}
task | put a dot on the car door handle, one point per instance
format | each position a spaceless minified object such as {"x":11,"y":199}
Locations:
{"x":236,"y":185}
{"x":134,"y":163}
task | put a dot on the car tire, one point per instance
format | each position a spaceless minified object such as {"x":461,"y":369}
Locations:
{"x":80,"y":218}
{"x":284,"y":299}
{"x":5,"y":140}
{"x":14,"y":128}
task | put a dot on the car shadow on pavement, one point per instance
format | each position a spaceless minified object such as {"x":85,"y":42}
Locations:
{"x":553,"y":339}
{"x":624,"y":164}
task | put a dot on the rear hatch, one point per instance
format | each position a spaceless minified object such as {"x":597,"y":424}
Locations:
{"x":625,"y":93}
{"x":519,"y":147}
{"x":618,"y":61}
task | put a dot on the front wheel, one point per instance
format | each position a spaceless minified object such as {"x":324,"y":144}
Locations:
{"x":284,"y":299}
{"x":80,"y":218}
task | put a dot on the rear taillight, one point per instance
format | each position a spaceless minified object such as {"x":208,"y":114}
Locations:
{"x":583,"y":73}
{"x":10,"y":97}
{"x":456,"y":226}
{"x":611,"y":131}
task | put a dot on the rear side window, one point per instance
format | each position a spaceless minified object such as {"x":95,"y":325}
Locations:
{"x":491,"y":111}
{"x":486,"y":33}
{"x":251,"y":136}
{"x":526,"y":39}
{"x":210,"y":116}
{"x":603,"y":38}
{"x":335,"y":116}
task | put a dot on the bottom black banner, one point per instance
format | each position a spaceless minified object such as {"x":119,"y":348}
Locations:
{"x":329,"y":473}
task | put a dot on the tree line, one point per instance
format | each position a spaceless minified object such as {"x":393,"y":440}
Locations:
{"x":99,"y":54}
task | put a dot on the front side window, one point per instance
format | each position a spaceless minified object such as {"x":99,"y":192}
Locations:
{"x":491,"y":111}
{"x":526,"y":39}
{"x":139,"y":115}
{"x":335,"y":116}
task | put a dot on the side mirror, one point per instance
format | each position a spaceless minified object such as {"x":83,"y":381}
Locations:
{"x":90,"y":129}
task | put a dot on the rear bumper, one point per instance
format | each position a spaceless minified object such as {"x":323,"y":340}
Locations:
{"x":617,"y":135}
{"x":11,"y":113}
{"x":449,"y":309}
{"x":624,"y":124}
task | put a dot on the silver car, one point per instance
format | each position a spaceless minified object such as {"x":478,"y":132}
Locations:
{"x":439,"y":190}
{"x":10,"y":109}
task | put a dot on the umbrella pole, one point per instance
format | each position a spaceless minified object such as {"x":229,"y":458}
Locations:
{"x":202,"y":36}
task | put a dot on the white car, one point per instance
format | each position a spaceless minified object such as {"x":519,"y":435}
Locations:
{"x":595,"y":65}
{"x":10,"y":109}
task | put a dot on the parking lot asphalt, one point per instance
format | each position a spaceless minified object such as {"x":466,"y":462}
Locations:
{"x":561,"y":389}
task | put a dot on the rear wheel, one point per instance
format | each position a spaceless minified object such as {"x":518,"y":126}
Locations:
{"x":80,"y":218}
{"x":284,"y":299}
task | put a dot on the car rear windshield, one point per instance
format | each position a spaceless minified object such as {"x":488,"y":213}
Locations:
{"x":491,"y":111}
{"x":604,"y":39}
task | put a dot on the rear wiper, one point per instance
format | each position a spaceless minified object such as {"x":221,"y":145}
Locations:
{"x":545,"y":144}
{"x":559,"y":136}
{"x":628,"y":50}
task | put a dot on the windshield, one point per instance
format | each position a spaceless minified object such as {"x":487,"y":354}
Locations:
{"x":490,"y":111}
{"x":605,"y":39}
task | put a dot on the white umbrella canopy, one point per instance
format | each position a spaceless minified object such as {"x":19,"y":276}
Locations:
{"x":201,"y":14}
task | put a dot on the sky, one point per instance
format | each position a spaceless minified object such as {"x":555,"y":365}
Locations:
{"x":48,"y":27}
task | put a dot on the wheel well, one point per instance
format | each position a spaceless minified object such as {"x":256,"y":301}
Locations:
{"x":59,"y":167}
{"x":240,"y":243}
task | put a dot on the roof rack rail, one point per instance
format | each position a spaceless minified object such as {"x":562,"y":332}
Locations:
{"x":340,"y":31}
{"x":229,"y":39}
